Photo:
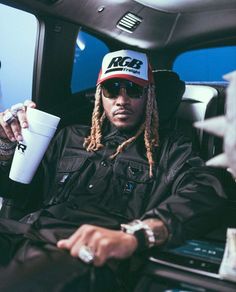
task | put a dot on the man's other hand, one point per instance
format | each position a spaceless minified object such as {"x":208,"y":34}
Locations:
{"x":104,"y":243}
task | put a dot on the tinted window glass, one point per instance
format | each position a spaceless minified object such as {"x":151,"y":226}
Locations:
{"x":89,"y":52}
{"x":18,"y":32}
{"x":206,"y":65}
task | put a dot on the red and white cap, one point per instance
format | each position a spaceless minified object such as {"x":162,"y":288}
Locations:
{"x":126,"y":64}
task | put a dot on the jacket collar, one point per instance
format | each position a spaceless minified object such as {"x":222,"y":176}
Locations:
{"x":112,"y":133}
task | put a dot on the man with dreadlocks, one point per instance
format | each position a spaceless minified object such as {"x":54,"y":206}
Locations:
{"x":103,"y":193}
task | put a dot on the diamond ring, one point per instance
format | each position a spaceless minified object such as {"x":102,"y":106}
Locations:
{"x":86,"y":254}
{"x":8,"y":117}
{"x":16,"y":108}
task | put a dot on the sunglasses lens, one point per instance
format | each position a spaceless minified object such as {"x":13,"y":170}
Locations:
{"x":134,"y":90}
{"x":111,"y":88}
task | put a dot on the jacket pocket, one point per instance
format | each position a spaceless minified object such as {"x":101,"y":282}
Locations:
{"x":68,"y":172}
{"x":130,"y":187}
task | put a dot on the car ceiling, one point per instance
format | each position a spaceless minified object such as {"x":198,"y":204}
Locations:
{"x":158,"y":24}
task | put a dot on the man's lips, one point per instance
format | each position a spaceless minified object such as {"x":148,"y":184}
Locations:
{"x":123,"y":112}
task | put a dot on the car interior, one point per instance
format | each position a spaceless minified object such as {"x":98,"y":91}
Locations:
{"x":163,"y":30}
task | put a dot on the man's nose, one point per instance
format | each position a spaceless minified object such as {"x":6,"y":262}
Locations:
{"x":122,"y":98}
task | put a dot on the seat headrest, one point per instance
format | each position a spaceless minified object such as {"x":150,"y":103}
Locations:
{"x":169,"y":91}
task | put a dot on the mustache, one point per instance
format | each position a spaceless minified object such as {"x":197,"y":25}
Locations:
{"x":123,"y":110}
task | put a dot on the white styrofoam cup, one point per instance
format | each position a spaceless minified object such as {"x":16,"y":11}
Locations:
{"x":30,"y":151}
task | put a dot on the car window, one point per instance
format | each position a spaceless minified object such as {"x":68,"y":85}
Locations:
{"x":18,"y":32}
{"x":89,"y":52}
{"x":206,"y":64}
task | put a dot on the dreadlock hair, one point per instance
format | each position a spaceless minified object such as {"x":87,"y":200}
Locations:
{"x":149,"y":127}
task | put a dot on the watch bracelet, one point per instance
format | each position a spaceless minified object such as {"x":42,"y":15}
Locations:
{"x":141,"y":240}
{"x":144,"y":234}
{"x":149,"y":234}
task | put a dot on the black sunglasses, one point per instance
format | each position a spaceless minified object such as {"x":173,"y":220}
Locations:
{"x":111,"y":88}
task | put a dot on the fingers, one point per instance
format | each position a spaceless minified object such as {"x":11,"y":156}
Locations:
{"x":90,"y":236}
{"x":103,"y":252}
{"x":103,"y":243}
{"x":13,"y":120}
{"x":29,"y":103}
{"x":21,"y":117}
{"x":21,"y":112}
{"x":14,"y":131}
{"x":11,"y":131}
{"x":81,"y":236}
{"x":71,"y":241}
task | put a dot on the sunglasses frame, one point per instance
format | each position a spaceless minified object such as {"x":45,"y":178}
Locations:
{"x":111,"y":91}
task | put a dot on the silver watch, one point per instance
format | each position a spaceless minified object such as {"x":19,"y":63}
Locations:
{"x":137,"y":225}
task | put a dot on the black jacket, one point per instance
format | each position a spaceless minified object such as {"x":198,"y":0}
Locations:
{"x":73,"y":186}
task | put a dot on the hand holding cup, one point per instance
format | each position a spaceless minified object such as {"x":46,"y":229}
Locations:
{"x":13,"y":120}
{"x":35,"y":140}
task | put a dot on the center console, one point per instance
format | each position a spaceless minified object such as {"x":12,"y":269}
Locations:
{"x":193,"y":266}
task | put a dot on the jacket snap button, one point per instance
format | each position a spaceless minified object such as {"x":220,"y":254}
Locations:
{"x":103,"y":163}
{"x":90,"y":186}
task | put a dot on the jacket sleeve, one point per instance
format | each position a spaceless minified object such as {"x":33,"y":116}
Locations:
{"x":196,"y":198}
{"x":21,"y":199}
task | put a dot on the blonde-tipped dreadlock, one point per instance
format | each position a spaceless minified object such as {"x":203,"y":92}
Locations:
{"x":149,"y":127}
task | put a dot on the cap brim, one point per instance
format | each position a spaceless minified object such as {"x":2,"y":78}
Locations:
{"x":136,"y":80}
